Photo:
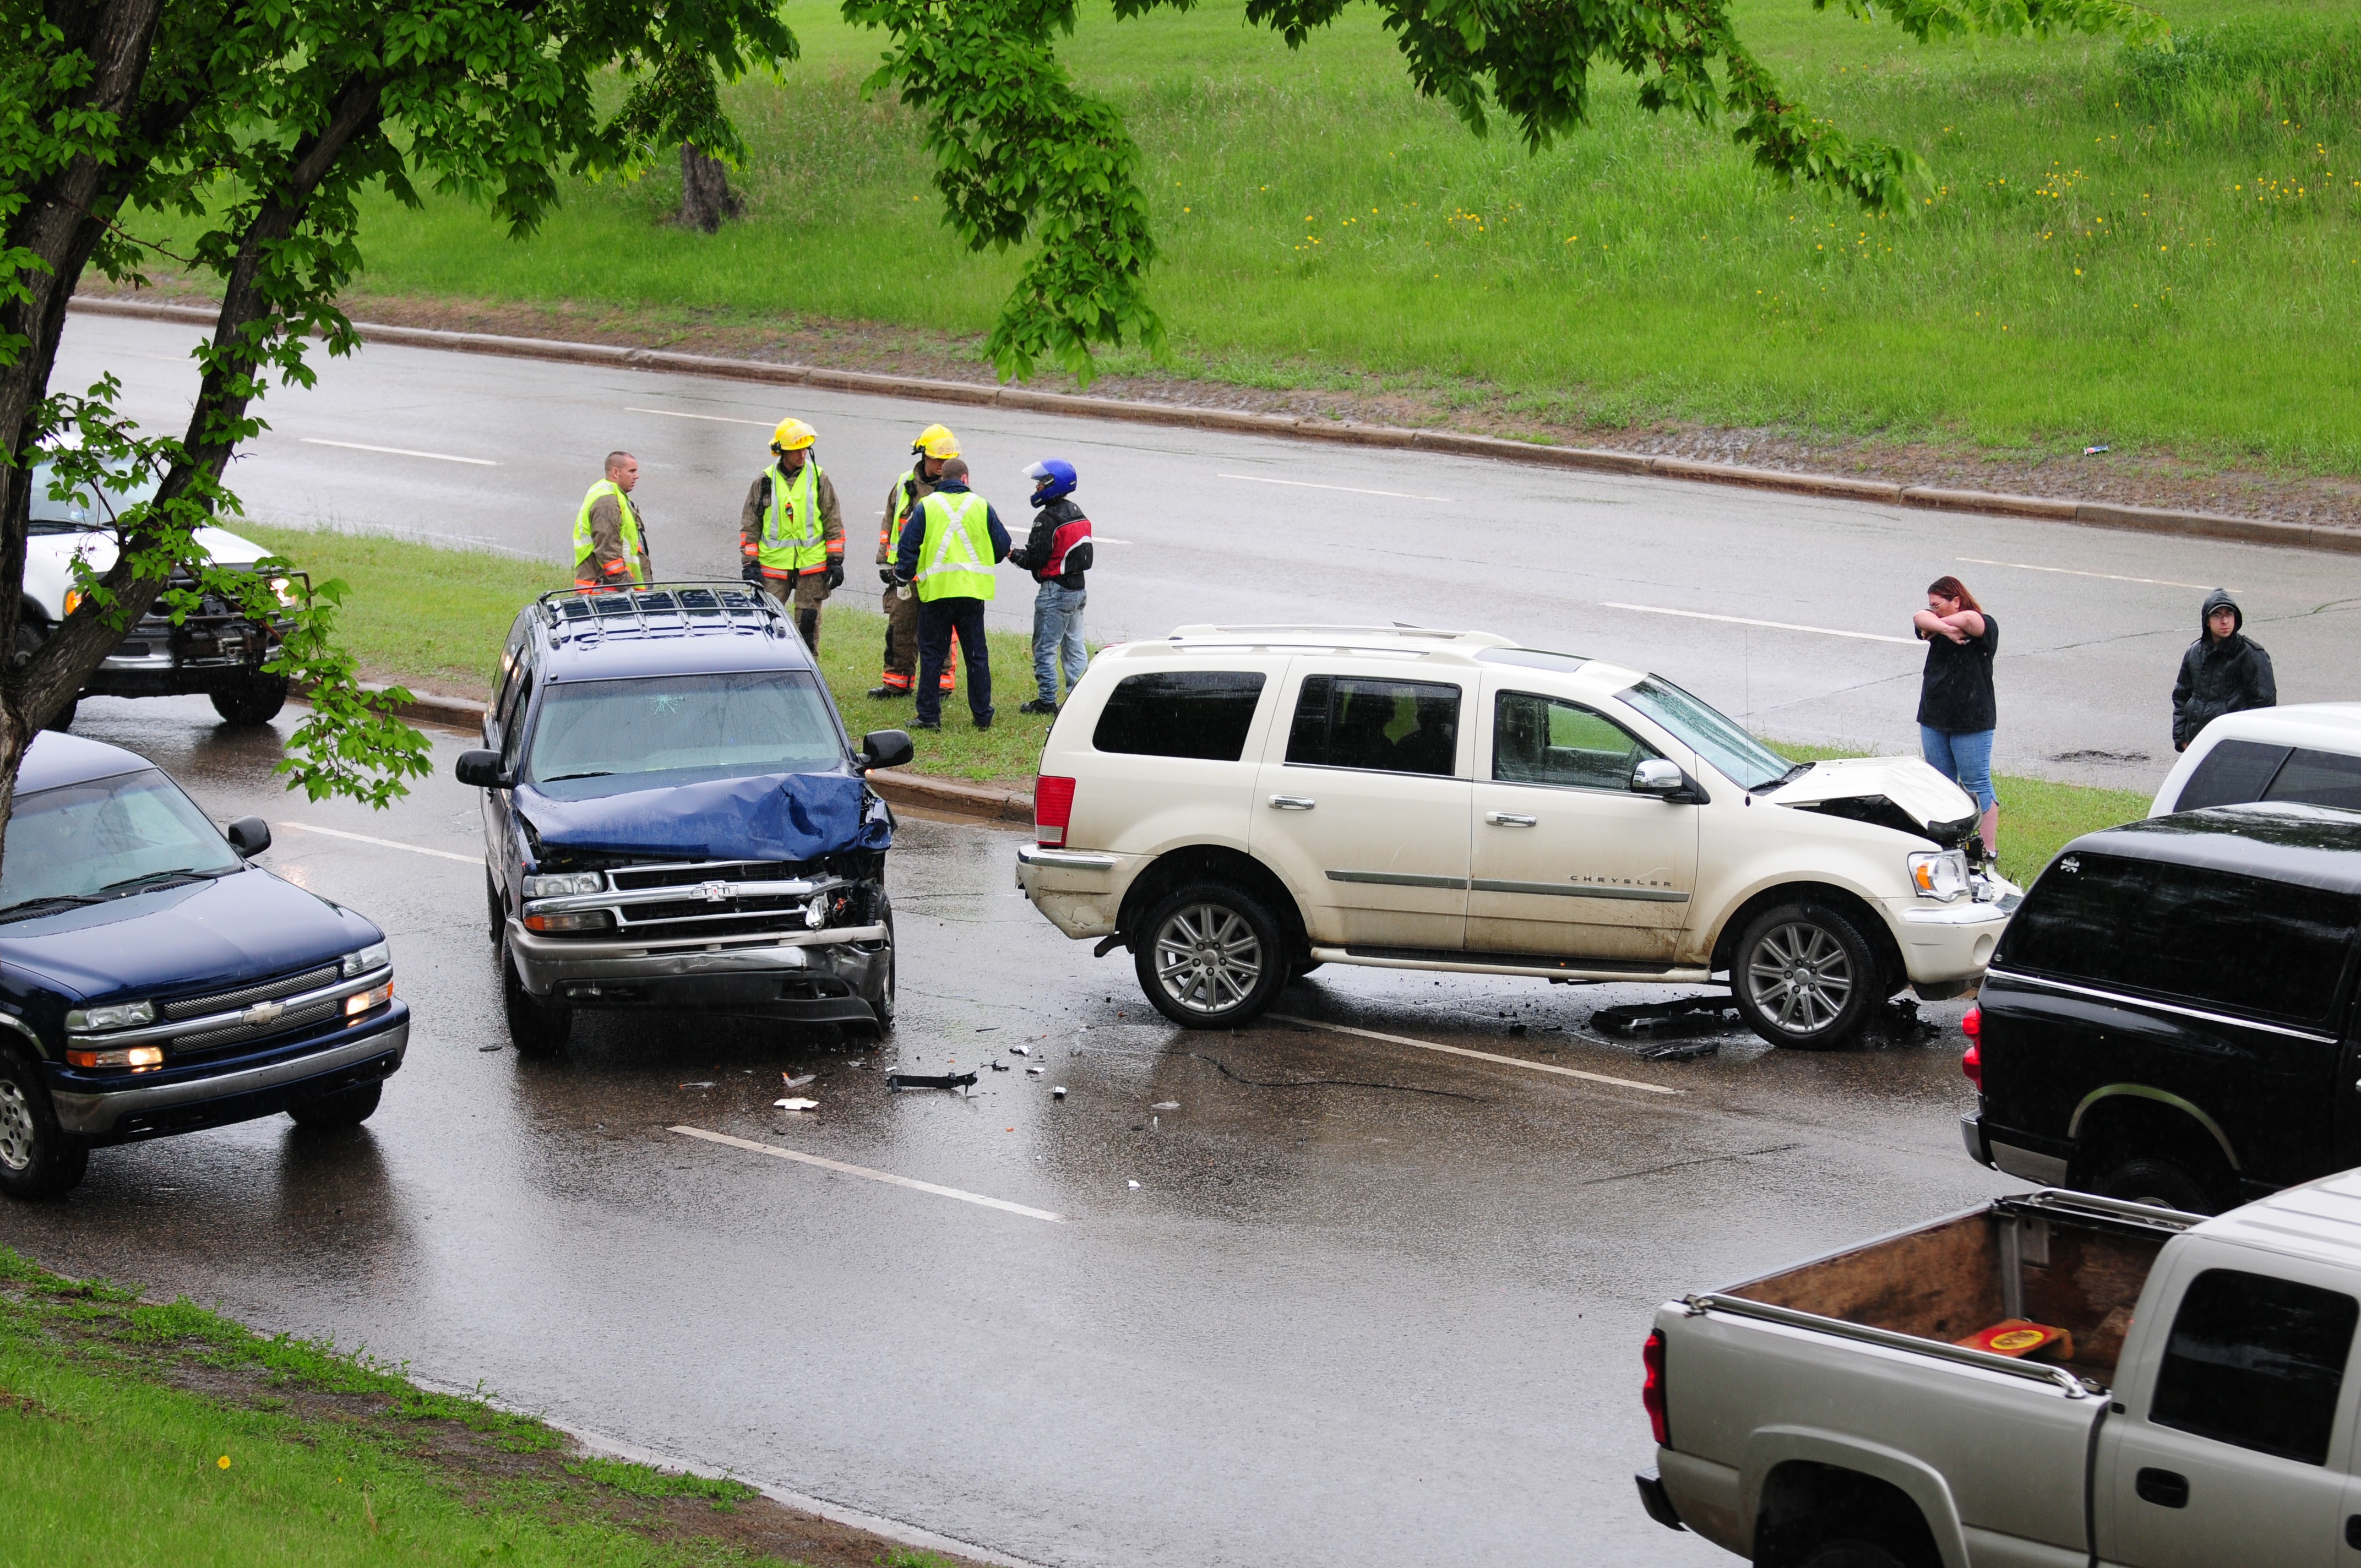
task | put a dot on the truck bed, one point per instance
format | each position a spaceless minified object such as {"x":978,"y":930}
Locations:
{"x":2064,"y":1261}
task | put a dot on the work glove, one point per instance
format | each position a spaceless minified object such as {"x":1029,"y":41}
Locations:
{"x":885,"y":575}
{"x":751,"y":571}
{"x":835,"y":576}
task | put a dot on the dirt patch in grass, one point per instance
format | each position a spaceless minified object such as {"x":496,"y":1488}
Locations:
{"x":2148,"y":478}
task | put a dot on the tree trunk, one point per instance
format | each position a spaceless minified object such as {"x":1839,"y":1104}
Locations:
{"x":704,"y":195}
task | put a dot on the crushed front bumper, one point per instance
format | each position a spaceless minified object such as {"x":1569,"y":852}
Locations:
{"x":1945,"y":946}
{"x":829,"y":976}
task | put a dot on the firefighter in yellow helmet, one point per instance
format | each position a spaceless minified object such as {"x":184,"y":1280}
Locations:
{"x":791,"y":531}
{"x":610,"y":541}
{"x":934,"y":447}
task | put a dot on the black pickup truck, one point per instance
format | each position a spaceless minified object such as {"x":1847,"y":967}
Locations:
{"x":675,"y":818}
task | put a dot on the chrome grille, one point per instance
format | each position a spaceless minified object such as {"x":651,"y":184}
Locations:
{"x":690,"y":873}
{"x":293,"y":1019}
{"x":230,"y":1001}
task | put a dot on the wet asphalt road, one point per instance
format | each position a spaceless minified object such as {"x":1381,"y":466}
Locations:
{"x":1389,"y":1319}
{"x":1198,"y":526}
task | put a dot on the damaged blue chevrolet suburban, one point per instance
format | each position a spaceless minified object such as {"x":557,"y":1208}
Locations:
{"x":675,"y":819}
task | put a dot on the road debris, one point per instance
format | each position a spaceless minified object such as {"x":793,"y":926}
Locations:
{"x":1166,"y":1105}
{"x":1059,"y":1093}
{"x":2094,"y":451}
{"x":1687,"y":1015}
{"x":1000,"y":1067}
{"x":706,"y":1083}
{"x":492,"y":1048}
{"x":1020,"y":1050}
{"x":1035,"y":1071}
{"x":796,"y":1104}
{"x":1134,"y":1187}
{"x":799,"y":1082}
{"x":929,"y":1080}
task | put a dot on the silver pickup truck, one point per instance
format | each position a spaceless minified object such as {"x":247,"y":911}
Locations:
{"x":2186,"y":1404}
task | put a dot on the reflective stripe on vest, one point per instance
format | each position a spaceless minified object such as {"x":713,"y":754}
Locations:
{"x":586,"y":547}
{"x":892,"y":532}
{"x":792,"y":538}
{"x":955,"y":551}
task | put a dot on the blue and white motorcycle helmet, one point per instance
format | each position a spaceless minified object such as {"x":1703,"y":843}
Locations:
{"x":1053,"y":477}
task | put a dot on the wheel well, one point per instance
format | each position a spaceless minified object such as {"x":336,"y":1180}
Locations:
{"x":1806,"y":1502}
{"x":1870,"y":923}
{"x":1210,"y":862}
{"x":2126,"y":1126}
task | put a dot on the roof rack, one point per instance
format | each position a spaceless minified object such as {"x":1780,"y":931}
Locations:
{"x":691,"y":606}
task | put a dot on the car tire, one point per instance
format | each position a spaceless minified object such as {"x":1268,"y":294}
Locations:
{"x":536,"y":1028}
{"x":496,"y":913}
{"x":38,"y":1158}
{"x":257,"y":699}
{"x":1853,"y":1551}
{"x":2164,"y":1184}
{"x":345,"y":1108}
{"x":1298,"y":970}
{"x":1804,"y":977}
{"x":1209,"y":955}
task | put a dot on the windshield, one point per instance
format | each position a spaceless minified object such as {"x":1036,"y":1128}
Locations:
{"x":601,"y":736}
{"x":83,"y":509}
{"x":95,"y":840}
{"x":1736,"y":755}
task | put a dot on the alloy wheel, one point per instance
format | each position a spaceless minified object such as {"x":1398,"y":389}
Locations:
{"x":1208,"y":958}
{"x":1801,"y":977}
{"x":17,"y":1131}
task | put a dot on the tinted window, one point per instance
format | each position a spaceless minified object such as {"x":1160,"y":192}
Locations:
{"x":1181,"y":713}
{"x":2232,"y":773}
{"x":2318,"y":778}
{"x":2211,"y":937}
{"x":2256,"y":1362}
{"x":1540,"y":740}
{"x":1357,"y":722}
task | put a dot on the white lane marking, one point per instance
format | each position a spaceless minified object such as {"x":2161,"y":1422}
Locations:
{"x":716,"y":419}
{"x":1480,"y":1056}
{"x":1102,"y":539}
{"x":773,"y":1150}
{"x":2070,"y":572}
{"x":387,"y":843}
{"x":1346,"y":489}
{"x":1773,"y":625}
{"x":398,"y":450}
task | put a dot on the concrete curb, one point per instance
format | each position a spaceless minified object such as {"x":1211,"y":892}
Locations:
{"x":987,"y":801}
{"x":2092,"y":514}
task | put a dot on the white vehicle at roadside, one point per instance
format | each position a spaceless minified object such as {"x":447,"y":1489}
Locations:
{"x":1240,"y":805}
{"x":2307,"y":754}
{"x":214,"y":651}
{"x":2054,"y":1379}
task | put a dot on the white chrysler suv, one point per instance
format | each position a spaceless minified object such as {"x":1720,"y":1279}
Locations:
{"x":1240,"y":805}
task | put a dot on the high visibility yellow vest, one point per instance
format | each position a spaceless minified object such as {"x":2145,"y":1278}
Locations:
{"x":894,"y":509}
{"x":792,"y":537}
{"x":955,"y":551}
{"x":585,"y":546}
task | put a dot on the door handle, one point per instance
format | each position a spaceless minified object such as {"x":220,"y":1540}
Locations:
{"x":2165,"y":1488}
{"x":1293,"y":802}
{"x":1509,"y":819}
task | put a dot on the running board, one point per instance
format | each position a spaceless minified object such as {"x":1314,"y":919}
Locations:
{"x":1513,"y":963}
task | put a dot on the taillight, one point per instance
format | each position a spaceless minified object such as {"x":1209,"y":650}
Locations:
{"x":1053,"y":809}
{"x":1972,"y":1061}
{"x":1652,"y":1392}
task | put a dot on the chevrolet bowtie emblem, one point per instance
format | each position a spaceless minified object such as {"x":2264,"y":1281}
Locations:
{"x":714,"y":892}
{"x":263,"y":1012}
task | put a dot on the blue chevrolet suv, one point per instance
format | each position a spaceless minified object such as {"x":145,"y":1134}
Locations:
{"x":674,"y":819}
{"x":152,"y":981}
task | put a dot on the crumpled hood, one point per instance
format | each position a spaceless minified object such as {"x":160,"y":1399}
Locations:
{"x":1901,"y":792}
{"x":767,"y":817}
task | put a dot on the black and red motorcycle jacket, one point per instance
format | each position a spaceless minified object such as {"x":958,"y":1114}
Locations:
{"x":1059,"y":547}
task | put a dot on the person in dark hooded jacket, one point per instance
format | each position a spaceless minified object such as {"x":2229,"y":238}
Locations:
{"x":2225,"y":670}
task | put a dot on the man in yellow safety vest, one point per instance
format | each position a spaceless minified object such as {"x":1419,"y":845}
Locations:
{"x":611,"y":543}
{"x":791,"y":531}
{"x":934,"y":447}
{"x":947,"y":550}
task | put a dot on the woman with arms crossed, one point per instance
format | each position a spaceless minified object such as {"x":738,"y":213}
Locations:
{"x":1956,"y":710}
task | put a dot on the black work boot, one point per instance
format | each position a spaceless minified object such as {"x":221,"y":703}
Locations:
{"x":808,"y":622}
{"x":1039,"y":705}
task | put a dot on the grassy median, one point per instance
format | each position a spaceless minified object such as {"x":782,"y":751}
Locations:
{"x":131,"y":1431}
{"x":437,"y":618}
{"x":2124,"y":246}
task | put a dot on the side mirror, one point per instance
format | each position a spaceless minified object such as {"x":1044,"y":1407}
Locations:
{"x":249,"y":836}
{"x":879,"y":749}
{"x":481,"y":768}
{"x":1657,"y":776}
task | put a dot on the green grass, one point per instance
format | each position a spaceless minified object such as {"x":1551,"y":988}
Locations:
{"x":437,"y":618}
{"x":290,"y":1453}
{"x":2154,"y":251}
{"x":2038,"y":816}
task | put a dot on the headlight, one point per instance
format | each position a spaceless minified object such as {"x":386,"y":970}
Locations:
{"x":74,"y":600}
{"x":114,"y":1015}
{"x":570,"y":884}
{"x":377,"y":955}
{"x":576,"y":920}
{"x":1939,"y":874}
{"x":138,"y":1058}
{"x":285,"y":589}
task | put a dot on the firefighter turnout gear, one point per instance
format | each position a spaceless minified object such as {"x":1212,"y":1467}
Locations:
{"x":900,"y":604}
{"x":611,"y":546}
{"x":792,"y":435}
{"x":791,"y":530}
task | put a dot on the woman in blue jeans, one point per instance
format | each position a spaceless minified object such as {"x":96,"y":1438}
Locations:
{"x":1957,"y":713}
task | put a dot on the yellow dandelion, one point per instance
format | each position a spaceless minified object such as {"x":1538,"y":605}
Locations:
{"x":222,"y":1462}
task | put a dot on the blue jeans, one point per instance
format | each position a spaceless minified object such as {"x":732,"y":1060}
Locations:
{"x":1058,"y":629}
{"x":1964,"y":757}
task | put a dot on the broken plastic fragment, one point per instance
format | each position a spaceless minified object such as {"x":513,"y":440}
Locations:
{"x":1059,"y":1093}
{"x":797,"y":1104}
{"x":1134,"y":1186}
{"x":929,"y":1080}
{"x":1166,"y":1105}
{"x":1035,"y":1071}
{"x":1020,"y":1050}
{"x":799,"y":1082}
{"x":1000,"y":1067}
{"x":706,"y":1083}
